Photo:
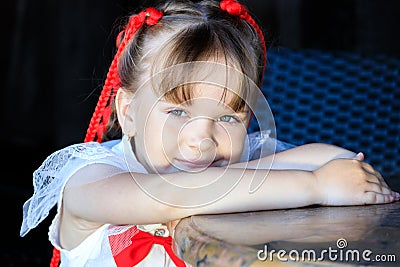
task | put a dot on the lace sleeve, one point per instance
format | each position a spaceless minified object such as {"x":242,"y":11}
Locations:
{"x":49,"y":180}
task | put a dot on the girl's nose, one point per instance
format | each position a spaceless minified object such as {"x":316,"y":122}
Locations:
{"x":199,"y":134}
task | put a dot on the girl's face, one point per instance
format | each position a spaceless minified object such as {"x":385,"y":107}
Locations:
{"x":190,"y":136}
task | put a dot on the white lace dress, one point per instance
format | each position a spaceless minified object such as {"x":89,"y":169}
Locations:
{"x":100,"y":248}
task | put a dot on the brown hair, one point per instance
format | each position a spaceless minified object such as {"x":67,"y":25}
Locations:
{"x":188,"y":32}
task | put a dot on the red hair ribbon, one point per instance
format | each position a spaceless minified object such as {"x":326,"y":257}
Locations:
{"x":140,"y":247}
{"x":236,"y":9}
{"x":102,"y":112}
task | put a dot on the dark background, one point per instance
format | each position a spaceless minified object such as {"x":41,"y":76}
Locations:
{"x":55,"y":55}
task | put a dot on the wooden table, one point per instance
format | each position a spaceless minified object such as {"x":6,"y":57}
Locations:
{"x":311,"y":236}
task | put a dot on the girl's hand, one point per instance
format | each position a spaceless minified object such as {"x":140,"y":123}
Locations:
{"x":352,"y":182}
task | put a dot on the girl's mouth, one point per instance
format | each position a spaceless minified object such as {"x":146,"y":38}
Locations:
{"x":197,"y":164}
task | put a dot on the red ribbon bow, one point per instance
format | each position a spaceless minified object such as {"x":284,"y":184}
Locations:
{"x":142,"y":243}
{"x":152,"y":16}
{"x":149,"y":16}
{"x":233,"y":8}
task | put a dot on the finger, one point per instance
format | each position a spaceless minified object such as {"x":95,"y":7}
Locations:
{"x":382,"y":180}
{"x":374,"y":178}
{"x":377,"y":180}
{"x":378,"y":188}
{"x":376,"y":198}
{"x":369,"y":169}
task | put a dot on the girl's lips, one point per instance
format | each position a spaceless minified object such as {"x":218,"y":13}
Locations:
{"x":196,"y":164}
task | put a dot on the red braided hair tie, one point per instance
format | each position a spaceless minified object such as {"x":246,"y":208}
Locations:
{"x":102,"y":112}
{"x":236,"y":9}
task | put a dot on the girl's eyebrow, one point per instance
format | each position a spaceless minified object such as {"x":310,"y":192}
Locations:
{"x":243,"y":113}
{"x":184,"y":103}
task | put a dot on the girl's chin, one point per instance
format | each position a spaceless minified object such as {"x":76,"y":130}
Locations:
{"x":180,"y":167}
{"x":175,"y":169}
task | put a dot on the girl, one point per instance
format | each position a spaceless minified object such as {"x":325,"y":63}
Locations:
{"x":177,"y":98}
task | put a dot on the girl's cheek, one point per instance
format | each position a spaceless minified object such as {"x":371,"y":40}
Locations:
{"x":170,"y":136}
{"x":233,"y":144}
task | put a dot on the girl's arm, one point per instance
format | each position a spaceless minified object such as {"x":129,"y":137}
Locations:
{"x":134,"y":198}
{"x":306,"y":157}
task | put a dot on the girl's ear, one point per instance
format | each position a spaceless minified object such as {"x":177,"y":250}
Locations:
{"x":123,"y":106}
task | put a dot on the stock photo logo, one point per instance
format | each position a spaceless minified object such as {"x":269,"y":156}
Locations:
{"x":194,"y":116}
{"x":341,"y":252}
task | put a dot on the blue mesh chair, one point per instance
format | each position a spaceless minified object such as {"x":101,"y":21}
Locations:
{"x":340,"y":98}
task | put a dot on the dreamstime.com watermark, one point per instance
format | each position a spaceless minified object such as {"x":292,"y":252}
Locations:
{"x":339,"y":253}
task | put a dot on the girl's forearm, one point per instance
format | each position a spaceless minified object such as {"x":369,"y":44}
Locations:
{"x":134,"y":198}
{"x":275,"y":189}
{"x":249,"y":190}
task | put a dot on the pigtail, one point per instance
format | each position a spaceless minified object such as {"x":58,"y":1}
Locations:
{"x":236,"y":9}
{"x":55,"y":260}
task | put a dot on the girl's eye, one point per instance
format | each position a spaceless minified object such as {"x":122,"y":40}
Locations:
{"x":228,"y":118}
{"x":177,"y":113}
